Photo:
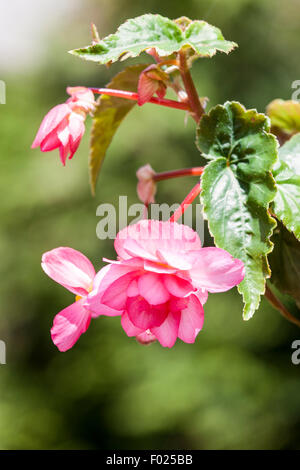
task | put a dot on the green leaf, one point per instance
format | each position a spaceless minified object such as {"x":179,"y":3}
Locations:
{"x":237,"y":188}
{"x":285,"y":115}
{"x":109,"y":113}
{"x":285,"y":263}
{"x":155,"y":31}
{"x":286,"y":172}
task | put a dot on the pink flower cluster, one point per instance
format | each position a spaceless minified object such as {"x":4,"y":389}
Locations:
{"x":158,"y":285}
{"x":63,"y":127}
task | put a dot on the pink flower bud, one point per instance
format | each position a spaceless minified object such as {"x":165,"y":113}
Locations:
{"x":63,"y":127}
{"x":146,"y":187}
{"x":146,"y":337}
{"x":152,"y":80}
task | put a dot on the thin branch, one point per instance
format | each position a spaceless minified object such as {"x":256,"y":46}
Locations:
{"x":134,"y":96}
{"x":186,"y":202}
{"x":165,"y":175}
{"x":280,"y":307}
{"x":195,"y":104}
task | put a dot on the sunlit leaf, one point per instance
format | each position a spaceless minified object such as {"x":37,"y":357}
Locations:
{"x":285,"y":116}
{"x":155,"y":31}
{"x":285,"y":263}
{"x":287,"y":176}
{"x":237,"y":188}
{"x":109,"y":114}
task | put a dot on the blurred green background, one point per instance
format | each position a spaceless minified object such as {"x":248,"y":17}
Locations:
{"x":236,"y":387}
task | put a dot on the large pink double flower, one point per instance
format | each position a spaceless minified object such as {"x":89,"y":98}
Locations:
{"x":63,"y":127}
{"x":161,"y":281}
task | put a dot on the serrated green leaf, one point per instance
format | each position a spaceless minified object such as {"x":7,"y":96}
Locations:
{"x":237,"y":188}
{"x":285,"y":115}
{"x":155,"y":31}
{"x":285,"y":263}
{"x":286,"y":172}
{"x":109,"y":113}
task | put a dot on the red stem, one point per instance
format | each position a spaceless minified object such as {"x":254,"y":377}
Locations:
{"x":165,"y":175}
{"x":129,"y":95}
{"x":195,"y":104}
{"x":280,"y":307}
{"x":186,"y":202}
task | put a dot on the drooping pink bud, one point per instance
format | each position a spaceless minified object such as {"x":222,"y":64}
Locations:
{"x":146,"y":187}
{"x":146,"y":337}
{"x":63,"y":127}
{"x":152,"y":80}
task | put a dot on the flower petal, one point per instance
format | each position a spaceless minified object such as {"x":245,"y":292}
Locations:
{"x":151,"y":288}
{"x":115,"y":295}
{"x":152,"y":235}
{"x":143,"y":315}
{"x":177,"y":286}
{"x":155,"y":267}
{"x":69,"y":325}
{"x":50,"y":122}
{"x":146,"y":337}
{"x":81,"y":97}
{"x":167,"y":332}
{"x":70,"y":268}
{"x":216,"y":270}
{"x":93,"y":300}
{"x":129,"y":328}
{"x":76,"y":130}
{"x":191,"y":320}
{"x":202,"y":295}
{"x":50,"y":142}
{"x":178,"y":259}
{"x":109,"y":281}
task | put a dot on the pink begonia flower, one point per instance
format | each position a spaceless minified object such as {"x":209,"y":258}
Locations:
{"x":75,"y":272}
{"x":146,"y":187}
{"x":63,"y":127}
{"x":161,"y":281}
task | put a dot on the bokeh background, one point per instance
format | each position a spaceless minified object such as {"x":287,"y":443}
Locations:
{"x":236,"y":387}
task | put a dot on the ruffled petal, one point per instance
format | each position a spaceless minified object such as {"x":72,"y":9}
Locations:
{"x":202,"y":295}
{"x":81,"y":97}
{"x":115,"y":296}
{"x":191,"y":320}
{"x":69,"y":325}
{"x":177,"y":260}
{"x":129,"y":328}
{"x":76,"y":130}
{"x":155,"y":267}
{"x":167,"y":332}
{"x":64,"y":151}
{"x":143,"y":315}
{"x":151,"y":287}
{"x":105,"y":280}
{"x":177,"y":286}
{"x":93,"y":301}
{"x":50,"y":142}
{"x":216,"y":270}
{"x":153,"y":235}
{"x":70,"y":268}
{"x":50,"y":122}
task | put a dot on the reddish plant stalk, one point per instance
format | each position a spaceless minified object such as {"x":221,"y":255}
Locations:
{"x":194,"y":101}
{"x":129,"y":95}
{"x":280,"y":307}
{"x":186,"y":202}
{"x":165,"y":175}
